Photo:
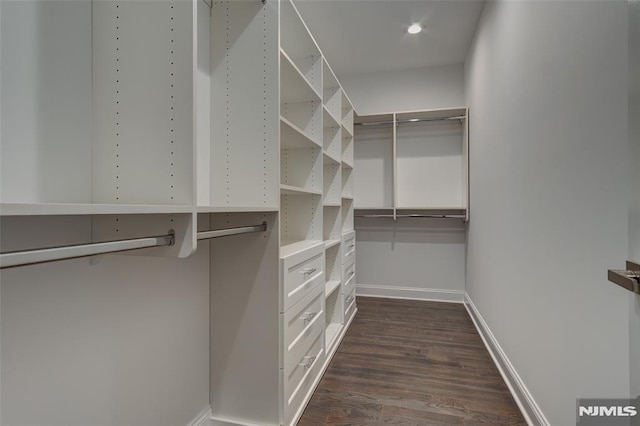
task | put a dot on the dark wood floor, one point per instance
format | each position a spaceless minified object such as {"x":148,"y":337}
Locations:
{"x":407,"y":362}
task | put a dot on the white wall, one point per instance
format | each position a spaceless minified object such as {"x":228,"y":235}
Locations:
{"x":634,"y":162}
{"x":547,"y":91}
{"x":121,"y":342}
{"x":414,"y":259}
{"x":407,"y":90}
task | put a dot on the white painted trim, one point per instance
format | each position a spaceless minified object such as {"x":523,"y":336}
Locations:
{"x":219,"y":421}
{"x":412,"y":293}
{"x":202,"y":419}
{"x":527,"y":404}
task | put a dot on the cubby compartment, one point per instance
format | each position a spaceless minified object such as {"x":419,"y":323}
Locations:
{"x":298,"y":45}
{"x":331,"y":94}
{"x":301,"y":170}
{"x":334,"y":317}
{"x":347,"y":215}
{"x":347,"y":147}
{"x":332,"y":184}
{"x":299,"y":103}
{"x":332,"y":225}
{"x":333,"y":269}
{"x":347,"y":114}
{"x":347,"y":182}
{"x":332,"y":137}
{"x":300,"y":221}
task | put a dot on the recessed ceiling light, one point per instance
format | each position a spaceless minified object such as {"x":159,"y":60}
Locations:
{"x":414,"y":29}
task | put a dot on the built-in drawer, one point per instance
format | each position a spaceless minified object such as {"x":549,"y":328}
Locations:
{"x":350,"y":306}
{"x":349,"y":278}
{"x":298,"y":380}
{"x":302,"y":323}
{"x":301,"y":272}
{"x":349,"y":248}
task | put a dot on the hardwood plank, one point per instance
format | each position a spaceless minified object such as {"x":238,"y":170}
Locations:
{"x":407,"y":362}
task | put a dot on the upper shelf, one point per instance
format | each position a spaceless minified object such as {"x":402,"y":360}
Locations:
{"x":295,"y":190}
{"x":235,"y":209}
{"x":295,"y":86}
{"x":292,"y":137}
{"x":54,"y":209}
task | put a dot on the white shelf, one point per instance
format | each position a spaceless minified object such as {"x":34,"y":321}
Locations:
{"x":295,"y":190}
{"x":347,"y":129}
{"x":373,"y":208}
{"x":292,"y":137}
{"x":331,"y":243}
{"x":347,"y":197}
{"x":327,"y":158}
{"x":52,"y":209}
{"x":347,"y":164}
{"x":331,"y":333}
{"x":330,"y":121}
{"x":295,"y":86}
{"x":330,"y":287}
{"x":289,"y":248}
{"x":332,"y":205}
{"x":237,"y":209}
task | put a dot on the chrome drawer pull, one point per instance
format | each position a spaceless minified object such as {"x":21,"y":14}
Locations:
{"x":308,"y":362}
{"x":308,"y":316}
{"x":351,"y":273}
{"x":308,"y":271}
{"x":350,"y":300}
{"x":351,"y":246}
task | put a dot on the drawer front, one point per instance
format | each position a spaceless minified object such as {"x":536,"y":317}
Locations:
{"x":300,"y":273}
{"x":297,"y":381}
{"x":350,"y":279}
{"x":350,"y":305}
{"x":302,"y":323}
{"x":349,"y":248}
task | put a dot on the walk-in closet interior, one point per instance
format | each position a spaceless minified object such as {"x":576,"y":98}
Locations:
{"x":195,"y":193}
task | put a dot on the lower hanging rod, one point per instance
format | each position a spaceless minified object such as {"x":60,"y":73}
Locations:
{"x":410,"y":120}
{"x":412,"y":216}
{"x":232,"y":231}
{"x":51,"y":254}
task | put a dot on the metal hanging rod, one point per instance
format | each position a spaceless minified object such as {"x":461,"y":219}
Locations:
{"x":412,"y":216}
{"x":30,"y":257}
{"x":232,"y":231}
{"x":410,"y":120}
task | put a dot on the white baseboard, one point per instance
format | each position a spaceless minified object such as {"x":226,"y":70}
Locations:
{"x":202,"y":419}
{"x":528,"y":406}
{"x":412,"y":293}
{"x":216,"y":421}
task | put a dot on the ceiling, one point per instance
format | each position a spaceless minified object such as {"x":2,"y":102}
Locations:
{"x":360,"y":36}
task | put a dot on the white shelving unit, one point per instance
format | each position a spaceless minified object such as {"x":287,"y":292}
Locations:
{"x":143,"y":119}
{"x":418,"y":161}
{"x":374,"y":163}
{"x":272,"y":89}
{"x":102,"y":129}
